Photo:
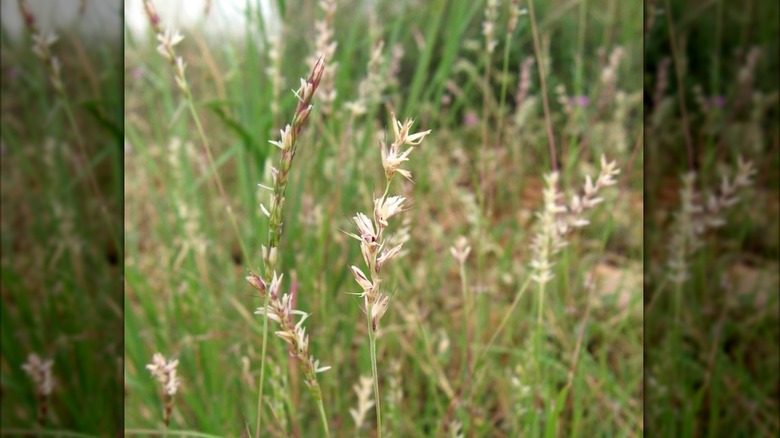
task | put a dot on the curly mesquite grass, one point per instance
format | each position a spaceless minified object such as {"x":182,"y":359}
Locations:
{"x":372,"y":241}
{"x":275,"y":307}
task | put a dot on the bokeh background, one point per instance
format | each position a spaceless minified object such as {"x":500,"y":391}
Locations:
{"x":711,"y":96}
{"x":117,"y":243}
{"x":61,"y":160}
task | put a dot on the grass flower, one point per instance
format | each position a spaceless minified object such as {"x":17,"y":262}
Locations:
{"x":165,"y":373}
{"x":281,"y":311}
{"x":40,"y":373}
{"x":42,"y":43}
{"x":279,"y":308}
{"x":363,"y":391}
{"x":375,"y":249}
{"x":699,"y":214}
{"x":556,"y":220}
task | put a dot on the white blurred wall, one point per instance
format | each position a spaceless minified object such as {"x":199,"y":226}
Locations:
{"x":102,"y":19}
{"x":227,"y":19}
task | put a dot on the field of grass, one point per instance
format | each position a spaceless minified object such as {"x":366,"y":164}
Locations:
{"x":519,"y":276}
{"x":712,"y":363}
{"x":569,"y":363}
{"x":62,"y":249}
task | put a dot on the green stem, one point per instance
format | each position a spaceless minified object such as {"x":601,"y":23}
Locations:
{"x":504,"y":321}
{"x":201,"y":132}
{"x":485,"y":127}
{"x":217,"y":179}
{"x":680,"y":87}
{"x":504,"y":82}
{"x":578,"y":77}
{"x":372,"y":343}
{"x":467,"y":308}
{"x":676,"y":333}
{"x":323,"y":417}
{"x":466,"y":311}
{"x":262,"y":370}
{"x":204,"y":139}
{"x":538,"y":349}
{"x":90,"y":172}
{"x":540,"y":67}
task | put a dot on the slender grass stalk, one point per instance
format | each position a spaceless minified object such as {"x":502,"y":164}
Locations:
{"x":514,"y":14}
{"x":280,"y":310}
{"x":578,"y":69}
{"x":263,"y":351}
{"x":677,"y":332}
{"x":539,"y":332}
{"x":689,"y":148}
{"x":543,"y":82}
{"x":289,"y":146}
{"x":91,"y":173}
{"x":461,"y":252}
{"x":374,"y":371}
{"x":504,"y":321}
{"x":373,"y":243}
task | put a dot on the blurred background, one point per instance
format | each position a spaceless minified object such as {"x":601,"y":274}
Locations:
{"x":62,"y":202}
{"x":118,"y":242}
{"x":711,"y":268}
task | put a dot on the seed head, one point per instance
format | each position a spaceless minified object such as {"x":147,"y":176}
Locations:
{"x":40,"y":373}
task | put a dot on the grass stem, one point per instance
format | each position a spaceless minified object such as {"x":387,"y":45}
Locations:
{"x":540,"y":67}
{"x":374,"y":372}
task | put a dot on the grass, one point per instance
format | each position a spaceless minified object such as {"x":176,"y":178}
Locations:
{"x":473,"y":342}
{"x":61,"y":226}
{"x":185,"y":291}
{"x":462,"y":346}
{"x":712,"y":363}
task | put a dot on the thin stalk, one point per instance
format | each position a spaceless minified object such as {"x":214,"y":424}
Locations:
{"x":578,"y":73}
{"x":540,"y":67}
{"x":90,"y":172}
{"x":262,"y":371}
{"x":539,"y":316}
{"x":374,"y":372}
{"x":504,"y":321}
{"x":371,"y":237}
{"x":680,"y":90}
{"x":372,"y":329}
{"x":485,"y":124}
{"x":217,"y":179}
{"x":466,"y":326}
{"x":502,"y":101}
{"x":676,"y":334}
{"x":323,"y":417}
{"x":467,"y":309}
{"x":289,"y":145}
